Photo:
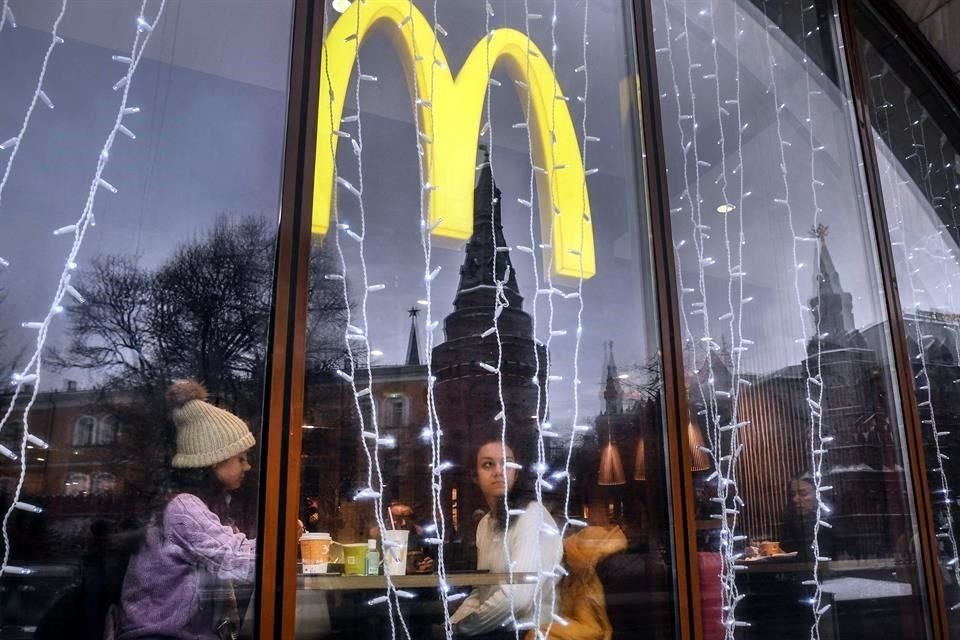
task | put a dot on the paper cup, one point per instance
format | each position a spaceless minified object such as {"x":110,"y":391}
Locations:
{"x":315,"y":548}
{"x":355,"y":559}
{"x":395,"y":551}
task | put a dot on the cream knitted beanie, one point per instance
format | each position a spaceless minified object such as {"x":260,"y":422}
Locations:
{"x":206,"y":434}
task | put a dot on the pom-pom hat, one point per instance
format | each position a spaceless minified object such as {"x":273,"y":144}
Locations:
{"x":206,"y":434}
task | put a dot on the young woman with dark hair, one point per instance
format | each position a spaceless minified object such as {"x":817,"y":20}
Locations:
{"x":799,"y":519}
{"x":532,"y":540}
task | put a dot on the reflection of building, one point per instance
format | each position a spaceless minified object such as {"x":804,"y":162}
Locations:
{"x":468,"y":396}
{"x":940,"y":404}
{"x":860,"y":463}
{"x":334,"y":467}
{"x":82,"y":460}
{"x":91,"y":470}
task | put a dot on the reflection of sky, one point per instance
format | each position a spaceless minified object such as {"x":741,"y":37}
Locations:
{"x":208,"y":145}
{"x":916,"y":231}
{"x":773,"y":318}
{"x":204,"y":146}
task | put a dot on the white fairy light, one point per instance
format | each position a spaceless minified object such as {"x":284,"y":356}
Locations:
{"x":542,"y":394}
{"x":897,"y":191}
{"x":432,"y":431}
{"x":500,"y":303}
{"x":33,"y":368}
{"x":724,"y":457}
{"x":6,"y":16}
{"x":814,"y":380}
{"x":38,"y":93}
{"x":374,"y":489}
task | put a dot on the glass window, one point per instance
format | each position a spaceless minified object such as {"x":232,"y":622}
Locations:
{"x":804,"y":513}
{"x":76,"y":484}
{"x":83,"y":431}
{"x":483,"y":378}
{"x":916,"y":139}
{"x":137,"y":236}
{"x":106,"y":431}
{"x":104,"y":483}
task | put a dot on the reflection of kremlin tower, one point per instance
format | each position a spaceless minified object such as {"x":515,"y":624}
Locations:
{"x":468,"y":396}
{"x":860,"y":460}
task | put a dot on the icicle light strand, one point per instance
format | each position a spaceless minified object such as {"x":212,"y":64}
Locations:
{"x":363,"y":393}
{"x":38,"y":94}
{"x":814,"y":381}
{"x":585,"y":67}
{"x":898,"y":190}
{"x":32,"y":371}
{"x":723,"y":451}
{"x":818,"y":441}
{"x":500,"y":303}
{"x":426,"y":242}
{"x":535,"y":271}
{"x":551,"y":331}
{"x":6,"y":16}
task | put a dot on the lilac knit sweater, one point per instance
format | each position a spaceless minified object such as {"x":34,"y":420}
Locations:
{"x":169,"y":582}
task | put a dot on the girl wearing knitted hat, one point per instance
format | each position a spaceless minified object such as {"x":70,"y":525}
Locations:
{"x":188,"y":556}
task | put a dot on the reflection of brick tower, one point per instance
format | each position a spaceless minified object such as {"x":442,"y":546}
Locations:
{"x":866,"y":492}
{"x":860,"y":463}
{"x":468,"y":397}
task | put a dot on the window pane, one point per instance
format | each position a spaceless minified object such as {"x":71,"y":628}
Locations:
{"x":804,"y":511}
{"x":509,"y":315}
{"x":916,"y":138}
{"x":173,"y":281}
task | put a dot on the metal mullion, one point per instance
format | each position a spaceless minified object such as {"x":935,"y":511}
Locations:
{"x":911,"y":416}
{"x":276,"y":577}
{"x":678,"y":456}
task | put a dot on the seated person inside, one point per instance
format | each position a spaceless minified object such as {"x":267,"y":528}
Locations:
{"x":528,"y":539}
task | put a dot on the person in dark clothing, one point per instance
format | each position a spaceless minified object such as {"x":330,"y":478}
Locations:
{"x":800,"y":518}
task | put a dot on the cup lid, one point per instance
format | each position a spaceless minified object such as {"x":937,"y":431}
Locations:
{"x":315,"y":536}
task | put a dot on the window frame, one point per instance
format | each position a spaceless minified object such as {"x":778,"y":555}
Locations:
{"x":90,"y":439}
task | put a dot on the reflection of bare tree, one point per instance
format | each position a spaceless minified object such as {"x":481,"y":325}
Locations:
{"x":203,"y":314}
{"x":8,"y":358}
{"x":641,"y":382}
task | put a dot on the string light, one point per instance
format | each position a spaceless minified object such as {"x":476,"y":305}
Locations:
{"x":6,"y":16}
{"x":541,"y":392}
{"x":814,"y":384}
{"x":723,"y":451}
{"x":374,"y":488}
{"x":38,"y":94}
{"x":500,"y":303}
{"x":583,"y":68}
{"x":896,"y":192}
{"x":433,"y":428}
{"x":33,"y":368}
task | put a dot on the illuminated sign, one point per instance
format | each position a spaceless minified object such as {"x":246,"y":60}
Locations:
{"x":449,"y":135}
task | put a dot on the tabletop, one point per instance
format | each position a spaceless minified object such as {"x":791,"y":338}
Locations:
{"x":412,"y":581}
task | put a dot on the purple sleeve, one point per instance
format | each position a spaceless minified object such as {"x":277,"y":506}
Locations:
{"x":205,"y":540}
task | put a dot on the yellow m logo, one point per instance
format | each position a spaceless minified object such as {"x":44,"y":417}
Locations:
{"x":450,"y":135}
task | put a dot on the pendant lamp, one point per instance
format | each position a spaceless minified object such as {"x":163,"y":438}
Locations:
{"x":611,"y":466}
{"x":640,"y":466}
